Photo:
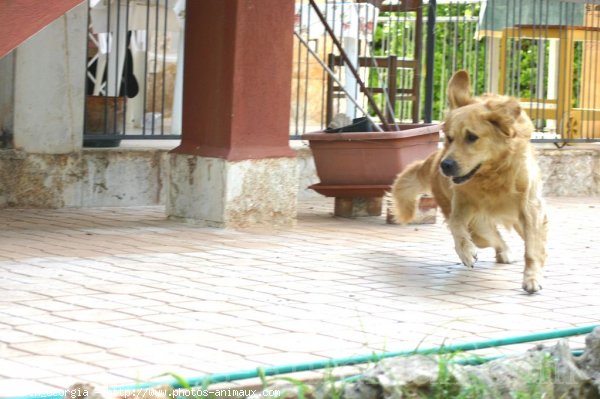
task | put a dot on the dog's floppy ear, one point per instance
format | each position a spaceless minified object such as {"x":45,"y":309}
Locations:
{"x":459,"y":90}
{"x":503,"y":114}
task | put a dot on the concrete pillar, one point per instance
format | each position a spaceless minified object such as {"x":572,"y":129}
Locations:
{"x":590,"y":86}
{"x":493,"y":60}
{"x":7,"y":97}
{"x":234,"y":166}
{"x":48,"y":89}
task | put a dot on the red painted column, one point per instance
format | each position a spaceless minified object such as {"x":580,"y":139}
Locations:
{"x":237,"y":79}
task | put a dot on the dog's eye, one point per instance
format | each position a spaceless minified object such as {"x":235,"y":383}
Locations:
{"x":472,"y":137}
{"x":449,"y":139}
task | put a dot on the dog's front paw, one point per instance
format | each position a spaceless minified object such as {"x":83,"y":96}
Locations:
{"x":532,"y":284}
{"x":467,"y":253}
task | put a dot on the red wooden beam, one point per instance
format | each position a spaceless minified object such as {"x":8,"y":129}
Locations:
{"x":21,"y":19}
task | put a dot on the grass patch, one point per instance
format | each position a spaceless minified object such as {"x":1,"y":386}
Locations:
{"x":444,"y":376}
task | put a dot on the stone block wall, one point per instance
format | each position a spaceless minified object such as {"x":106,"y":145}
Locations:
{"x":139,"y":177}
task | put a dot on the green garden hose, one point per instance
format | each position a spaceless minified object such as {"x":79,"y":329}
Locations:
{"x":345,"y":361}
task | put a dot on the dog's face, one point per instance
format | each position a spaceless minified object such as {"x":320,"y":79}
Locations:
{"x":479,"y":131}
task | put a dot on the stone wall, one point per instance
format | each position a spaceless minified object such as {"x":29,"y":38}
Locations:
{"x":573,"y":171}
{"x":90,"y":178}
{"x":138,"y":177}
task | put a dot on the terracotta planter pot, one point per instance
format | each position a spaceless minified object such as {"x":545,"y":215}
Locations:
{"x":366,"y":164}
{"x":104,"y":116}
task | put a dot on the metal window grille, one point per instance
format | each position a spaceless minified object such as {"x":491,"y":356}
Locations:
{"x":544,"y":52}
{"x":134,"y":70}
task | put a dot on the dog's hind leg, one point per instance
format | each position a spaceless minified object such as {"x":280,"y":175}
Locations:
{"x":485,"y":235}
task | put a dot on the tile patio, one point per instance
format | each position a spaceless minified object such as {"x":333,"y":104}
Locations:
{"x":118,"y":295}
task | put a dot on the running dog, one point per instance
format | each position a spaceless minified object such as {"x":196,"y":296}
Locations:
{"x":484,"y":176}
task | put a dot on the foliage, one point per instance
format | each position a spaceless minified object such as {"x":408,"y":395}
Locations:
{"x":533,"y":385}
{"x":458,"y":46}
{"x":537,"y":382}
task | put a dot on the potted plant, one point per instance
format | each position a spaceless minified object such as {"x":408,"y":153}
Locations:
{"x":357,"y":168}
{"x":104,"y":116}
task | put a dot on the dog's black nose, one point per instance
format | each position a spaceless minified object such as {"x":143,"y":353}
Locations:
{"x":449,"y":167}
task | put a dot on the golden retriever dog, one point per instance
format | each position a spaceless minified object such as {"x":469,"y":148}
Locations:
{"x":485,"y":175}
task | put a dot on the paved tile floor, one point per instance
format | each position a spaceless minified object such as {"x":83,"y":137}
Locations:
{"x":118,"y":295}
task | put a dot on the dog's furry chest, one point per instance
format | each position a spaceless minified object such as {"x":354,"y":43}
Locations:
{"x":499,"y":203}
{"x":500,"y":213}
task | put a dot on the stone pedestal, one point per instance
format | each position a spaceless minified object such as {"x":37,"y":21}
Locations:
{"x":234,"y":166}
{"x":220,"y":193}
{"x":357,"y":207}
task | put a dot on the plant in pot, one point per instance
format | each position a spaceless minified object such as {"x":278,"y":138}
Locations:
{"x":103,"y":117}
{"x":358,"y":167}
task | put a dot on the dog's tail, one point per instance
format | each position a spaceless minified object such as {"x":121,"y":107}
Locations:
{"x":407,"y":188}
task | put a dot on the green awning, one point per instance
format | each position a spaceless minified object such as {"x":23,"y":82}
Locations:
{"x":500,"y":14}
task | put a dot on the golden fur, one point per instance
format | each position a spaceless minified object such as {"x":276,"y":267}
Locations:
{"x":485,"y":175}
